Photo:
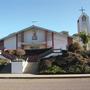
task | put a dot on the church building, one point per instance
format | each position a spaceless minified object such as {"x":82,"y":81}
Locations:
{"x":35,"y":37}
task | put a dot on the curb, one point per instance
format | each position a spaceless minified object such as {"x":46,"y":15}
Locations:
{"x":28,"y":76}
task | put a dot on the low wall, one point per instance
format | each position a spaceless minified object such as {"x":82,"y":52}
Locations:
{"x":16,"y":67}
{"x":31,"y":67}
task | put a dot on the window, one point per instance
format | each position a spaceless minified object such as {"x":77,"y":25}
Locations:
{"x":83,"y":18}
{"x":34,"y":37}
{"x":78,"y":21}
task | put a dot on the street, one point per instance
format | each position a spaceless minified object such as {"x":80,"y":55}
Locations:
{"x":45,"y":84}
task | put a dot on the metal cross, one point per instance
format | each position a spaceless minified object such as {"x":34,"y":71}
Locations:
{"x":82,"y":9}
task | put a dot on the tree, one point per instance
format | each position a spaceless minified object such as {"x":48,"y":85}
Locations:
{"x":84,"y":38}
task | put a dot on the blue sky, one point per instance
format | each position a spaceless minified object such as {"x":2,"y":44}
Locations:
{"x":57,"y":15}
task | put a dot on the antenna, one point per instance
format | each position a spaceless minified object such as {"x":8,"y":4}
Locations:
{"x":34,"y":22}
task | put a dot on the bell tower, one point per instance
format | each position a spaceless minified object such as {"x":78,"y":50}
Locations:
{"x":83,"y":22}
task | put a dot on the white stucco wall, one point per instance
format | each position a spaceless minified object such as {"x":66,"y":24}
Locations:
{"x":16,"y":67}
{"x":28,"y":36}
{"x":10,"y":43}
{"x":60,"y":41}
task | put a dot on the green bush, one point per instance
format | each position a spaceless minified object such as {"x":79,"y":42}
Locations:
{"x":55,"y":70}
{"x":87,"y":69}
{"x":73,"y":62}
{"x":3,"y":62}
{"x":74,"y":69}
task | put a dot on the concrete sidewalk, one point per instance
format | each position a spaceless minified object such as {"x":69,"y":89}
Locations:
{"x":31,"y":76}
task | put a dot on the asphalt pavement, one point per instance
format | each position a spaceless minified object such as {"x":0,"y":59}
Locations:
{"x":45,"y":84}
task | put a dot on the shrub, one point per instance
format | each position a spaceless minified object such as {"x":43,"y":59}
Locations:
{"x":20,"y":52}
{"x":53,"y":70}
{"x":3,"y":62}
{"x":6,"y":51}
{"x":74,"y":47}
{"x":84,"y":54}
{"x":87,"y":69}
{"x":88,"y":53}
{"x":75,"y":69}
{"x":13,"y":52}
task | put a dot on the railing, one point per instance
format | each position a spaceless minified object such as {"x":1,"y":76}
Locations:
{"x":36,"y":58}
{"x":46,"y":53}
{"x":57,"y":50}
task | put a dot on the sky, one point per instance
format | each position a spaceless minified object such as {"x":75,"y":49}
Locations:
{"x":56,"y":15}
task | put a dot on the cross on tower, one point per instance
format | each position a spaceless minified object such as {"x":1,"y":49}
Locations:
{"x":82,"y":10}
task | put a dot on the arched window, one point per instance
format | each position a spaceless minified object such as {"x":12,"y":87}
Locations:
{"x":83,"y":18}
{"x":78,"y":21}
